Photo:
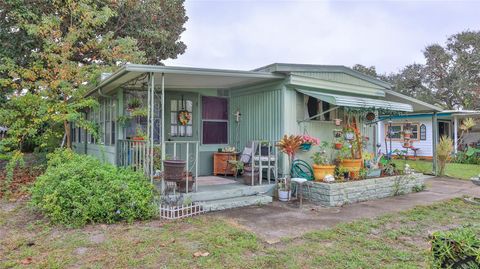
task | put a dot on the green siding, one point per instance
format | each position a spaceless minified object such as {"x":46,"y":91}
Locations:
{"x":338,"y":77}
{"x":261,"y":109}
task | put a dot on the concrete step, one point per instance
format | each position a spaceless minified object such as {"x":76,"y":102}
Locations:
{"x":219,"y":192}
{"x":222,"y":204}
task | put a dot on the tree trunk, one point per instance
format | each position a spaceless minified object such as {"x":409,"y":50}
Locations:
{"x":68,"y":136}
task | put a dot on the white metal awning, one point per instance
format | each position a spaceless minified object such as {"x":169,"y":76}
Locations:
{"x":134,"y":75}
{"x":355,"y":101}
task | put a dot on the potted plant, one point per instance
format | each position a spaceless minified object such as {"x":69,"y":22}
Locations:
{"x":354,"y":162}
{"x":134,"y":103}
{"x":139,"y":112}
{"x":322,"y":165}
{"x":337,"y":133}
{"x":349,"y":133}
{"x":337,"y":122}
{"x":283,"y":186}
{"x":123,"y":120}
{"x":338,"y":145}
{"x":308,"y":141}
{"x":139,"y":134}
{"x":288,"y":145}
{"x":343,"y":173}
{"x":264,"y":148}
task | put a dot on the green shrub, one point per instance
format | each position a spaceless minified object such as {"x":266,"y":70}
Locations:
{"x":458,"y":248}
{"x":78,"y":189}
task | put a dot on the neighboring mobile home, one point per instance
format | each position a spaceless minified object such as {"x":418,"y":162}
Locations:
{"x":448,"y":124}
{"x":207,"y":109}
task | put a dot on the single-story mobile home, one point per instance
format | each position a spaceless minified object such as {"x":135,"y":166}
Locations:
{"x":206,"y":117}
{"x":421,"y":144}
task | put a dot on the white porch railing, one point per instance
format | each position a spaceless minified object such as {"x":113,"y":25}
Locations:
{"x":134,"y":153}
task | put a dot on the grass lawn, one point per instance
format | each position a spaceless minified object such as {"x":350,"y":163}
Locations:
{"x":456,"y":170}
{"x":393,"y":241}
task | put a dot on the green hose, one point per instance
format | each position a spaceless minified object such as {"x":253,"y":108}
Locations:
{"x":301,"y":169}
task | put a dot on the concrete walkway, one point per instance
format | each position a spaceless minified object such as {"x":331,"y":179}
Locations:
{"x":278,"y":220}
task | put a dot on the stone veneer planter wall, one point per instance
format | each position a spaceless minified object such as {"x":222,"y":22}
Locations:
{"x":337,"y":194}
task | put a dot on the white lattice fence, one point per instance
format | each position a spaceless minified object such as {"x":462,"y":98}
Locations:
{"x":179,"y":212}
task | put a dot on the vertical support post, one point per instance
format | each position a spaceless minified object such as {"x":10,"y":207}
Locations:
{"x":186,"y":169}
{"x":455,"y":134}
{"x":253,"y":161}
{"x":163,"y":149}
{"x":434,"y":141}
{"x":146,"y":162}
{"x":196,"y":166}
{"x":152,"y":122}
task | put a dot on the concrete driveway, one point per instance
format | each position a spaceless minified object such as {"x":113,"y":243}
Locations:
{"x":276,"y":220}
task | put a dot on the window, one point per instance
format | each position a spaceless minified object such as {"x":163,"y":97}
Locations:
{"x":414,"y":135}
{"x":423,"y":132}
{"x":176,"y":128}
{"x":315,"y":107}
{"x":104,"y":117}
{"x":214,"y":120}
{"x":397,"y":129}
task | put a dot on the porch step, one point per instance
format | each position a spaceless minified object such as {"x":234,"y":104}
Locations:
{"x":220,"y":192}
{"x":222,"y":204}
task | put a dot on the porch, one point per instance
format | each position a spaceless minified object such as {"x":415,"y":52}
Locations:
{"x":263,"y":158}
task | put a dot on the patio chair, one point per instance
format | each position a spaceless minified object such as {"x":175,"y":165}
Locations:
{"x":264,"y":158}
{"x":245,"y":158}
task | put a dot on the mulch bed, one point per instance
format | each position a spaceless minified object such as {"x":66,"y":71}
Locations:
{"x":22,"y":178}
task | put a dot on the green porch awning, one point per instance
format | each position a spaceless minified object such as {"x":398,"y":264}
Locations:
{"x":354,"y":101}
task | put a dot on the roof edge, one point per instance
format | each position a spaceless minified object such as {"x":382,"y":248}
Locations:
{"x":290,"y":67}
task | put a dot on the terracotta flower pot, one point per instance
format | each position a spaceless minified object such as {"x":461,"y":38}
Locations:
{"x":320,"y":171}
{"x":353,"y":166}
{"x":338,"y":145}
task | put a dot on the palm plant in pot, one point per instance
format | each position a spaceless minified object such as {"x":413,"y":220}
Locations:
{"x":288,"y":145}
{"x":322,"y":164}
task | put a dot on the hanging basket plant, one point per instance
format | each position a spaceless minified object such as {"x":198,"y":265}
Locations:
{"x":184,"y":117}
{"x":349,"y":134}
{"x":338,"y":145}
{"x":337,"y":133}
{"x":370,"y":116}
{"x":134,"y":103}
{"x":308,"y":141}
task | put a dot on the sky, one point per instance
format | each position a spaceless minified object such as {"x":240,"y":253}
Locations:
{"x":245,"y":35}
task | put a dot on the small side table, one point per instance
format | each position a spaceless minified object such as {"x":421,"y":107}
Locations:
{"x":221,"y":165}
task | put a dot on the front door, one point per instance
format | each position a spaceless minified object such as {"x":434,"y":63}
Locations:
{"x":443,"y":129}
{"x":181,"y":126}
{"x":181,"y":123}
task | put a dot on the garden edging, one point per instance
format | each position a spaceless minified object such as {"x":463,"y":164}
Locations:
{"x":337,"y":194}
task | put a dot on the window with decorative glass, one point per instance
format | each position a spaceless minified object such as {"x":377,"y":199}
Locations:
{"x":181,"y":118}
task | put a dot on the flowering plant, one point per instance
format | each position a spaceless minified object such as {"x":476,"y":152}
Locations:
{"x":306,"y":139}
